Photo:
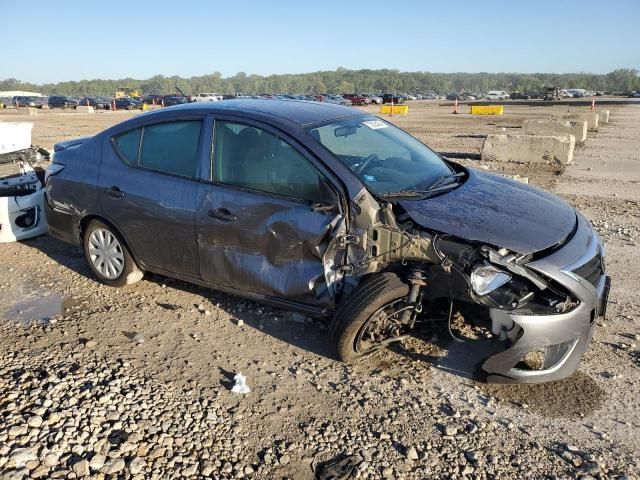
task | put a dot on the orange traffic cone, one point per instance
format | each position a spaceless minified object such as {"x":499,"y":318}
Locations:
{"x":455,"y":107}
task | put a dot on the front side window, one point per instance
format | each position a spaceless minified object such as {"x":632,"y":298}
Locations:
{"x":381,"y":155}
{"x":249,"y":157}
{"x":165,"y":147}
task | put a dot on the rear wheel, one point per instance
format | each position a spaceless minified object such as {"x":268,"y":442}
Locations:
{"x":370,"y":317}
{"x":108,"y":256}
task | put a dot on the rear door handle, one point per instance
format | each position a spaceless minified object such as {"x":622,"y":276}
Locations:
{"x":222,"y":214}
{"x":115,"y":192}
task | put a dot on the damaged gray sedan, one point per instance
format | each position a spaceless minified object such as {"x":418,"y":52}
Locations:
{"x":335,"y":213}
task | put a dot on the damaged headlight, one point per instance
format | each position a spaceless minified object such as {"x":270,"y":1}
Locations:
{"x":495,"y":288}
{"x":486,"y":278}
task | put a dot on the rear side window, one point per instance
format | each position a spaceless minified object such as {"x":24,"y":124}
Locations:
{"x":128,"y":145}
{"x":171,"y":148}
{"x":165,"y":147}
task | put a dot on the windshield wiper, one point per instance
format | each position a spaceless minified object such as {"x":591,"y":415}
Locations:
{"x":404,"y":193}
{"x":441,"y":184}
{"x":444,"y":180}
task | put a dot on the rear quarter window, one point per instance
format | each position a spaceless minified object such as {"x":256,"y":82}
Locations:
{"x":128,"y":145}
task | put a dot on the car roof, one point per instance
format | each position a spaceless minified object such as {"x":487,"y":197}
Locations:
{"x":299,"y":112}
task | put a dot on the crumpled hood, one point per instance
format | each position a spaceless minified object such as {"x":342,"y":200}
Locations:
{"x":491,"y":209}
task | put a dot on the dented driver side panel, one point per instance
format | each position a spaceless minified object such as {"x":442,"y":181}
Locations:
{"x":266,"y":244}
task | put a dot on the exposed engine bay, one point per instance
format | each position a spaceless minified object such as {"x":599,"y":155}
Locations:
{"x":503,"y":286}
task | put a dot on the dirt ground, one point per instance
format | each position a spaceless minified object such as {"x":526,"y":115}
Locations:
{"x":135,"y":383}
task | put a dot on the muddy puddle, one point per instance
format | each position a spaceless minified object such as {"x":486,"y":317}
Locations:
{"x":29,"y":303}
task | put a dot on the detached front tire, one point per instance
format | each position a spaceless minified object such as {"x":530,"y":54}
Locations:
{"x":370,"y":315}
{"x":108,"y":256}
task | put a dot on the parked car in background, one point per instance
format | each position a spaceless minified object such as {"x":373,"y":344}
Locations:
{"x":519,"y":96}
{"x":207,"y":97}
{"x":635,"y":94}
{"x":30,"y":101}
{"x":338,"y":214}
{"x":335,"y":99}
{"x":357,"y":99}
{"x":171,"y":100}
{"x":552,"y":94}
{"x":497,"y":95}
{"x":535,"y":95}
{"x":62,"y":101}
{"x":578,"y":92}
{"x":390,"y":97}
{"x":153,"y":99}
{"x":128,"y":103}
{"x":101,"y":103}
{"x":374,"y":99}
{"x":454,"y":96}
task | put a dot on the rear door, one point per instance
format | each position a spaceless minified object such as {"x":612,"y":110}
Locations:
{"x":268,"y":216}
{"x":148,"y":189}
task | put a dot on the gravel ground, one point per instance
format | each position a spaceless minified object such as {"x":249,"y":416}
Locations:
{"x":135,"y":383}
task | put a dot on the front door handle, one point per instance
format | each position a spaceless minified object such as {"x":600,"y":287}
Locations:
{"x":115,"y":192}
{"x":222,"y":214}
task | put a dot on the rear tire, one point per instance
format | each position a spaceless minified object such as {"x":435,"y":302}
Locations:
{"x":108,"y":256}
{"x":353,"y":316}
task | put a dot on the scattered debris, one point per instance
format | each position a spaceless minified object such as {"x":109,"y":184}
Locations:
{"x":340,"y":468}
{"x":241,"y":384}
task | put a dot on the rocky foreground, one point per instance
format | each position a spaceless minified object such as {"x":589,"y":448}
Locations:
{"x":68,"y":412}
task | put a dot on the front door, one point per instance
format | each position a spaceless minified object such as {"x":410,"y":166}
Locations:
{"x":266,"y":219}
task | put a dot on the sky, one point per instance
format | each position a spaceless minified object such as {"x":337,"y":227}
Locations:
{"x":52,"y":41}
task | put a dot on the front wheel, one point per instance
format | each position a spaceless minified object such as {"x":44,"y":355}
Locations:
{"x":370,"y":317}
{"x":108,"y":256}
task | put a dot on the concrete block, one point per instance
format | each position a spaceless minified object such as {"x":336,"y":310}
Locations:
{"x":529,"y":148}
{"x":30,"y":111}
{"x":577,"y":128}
{"x":592,"y":119}
{"x":603,"y":116}
{"x":85,"y":109}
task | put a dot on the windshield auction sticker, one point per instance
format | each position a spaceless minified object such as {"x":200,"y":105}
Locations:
{"x":375,"y":124}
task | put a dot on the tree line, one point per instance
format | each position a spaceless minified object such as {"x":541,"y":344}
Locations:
{"x":343,"y":80}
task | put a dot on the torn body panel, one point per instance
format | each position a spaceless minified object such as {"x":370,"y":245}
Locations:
{"x":544,"y":309}
{"x":268,"y":245}
{"x":378,"y":240}
{"x":541,"y":337}
{"x":22,"y":195}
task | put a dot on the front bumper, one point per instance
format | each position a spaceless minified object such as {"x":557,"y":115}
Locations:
{"x":558,"y":340}
{"x":22,"y":217}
